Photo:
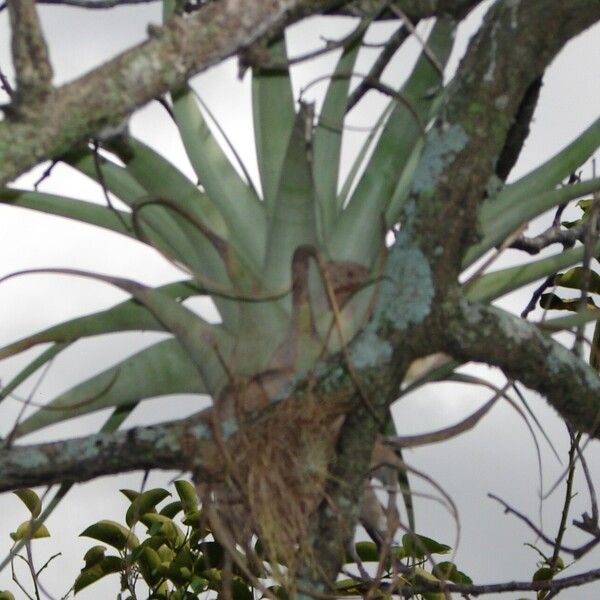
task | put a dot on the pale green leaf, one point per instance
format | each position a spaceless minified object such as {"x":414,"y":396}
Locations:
{"x":274,"y":115}
{"x":327,"y":142}
{"x":362,"y":219}
{"x":160,"y":370}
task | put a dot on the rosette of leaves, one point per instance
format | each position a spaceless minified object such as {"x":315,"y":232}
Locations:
{"x":292,"y":269}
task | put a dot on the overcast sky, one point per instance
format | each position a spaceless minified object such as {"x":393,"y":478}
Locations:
{"x":498,"y":456}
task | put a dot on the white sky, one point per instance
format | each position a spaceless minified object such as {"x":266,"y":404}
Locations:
{"x":498,"y":456}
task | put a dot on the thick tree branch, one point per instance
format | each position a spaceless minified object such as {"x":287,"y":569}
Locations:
{"x":170,"y":57}
{"x":30,"y":54}
{"x":174,"y":445}
{"x":525,"y":354}
{"x":501,"y":67}
{"x":415,"y":10}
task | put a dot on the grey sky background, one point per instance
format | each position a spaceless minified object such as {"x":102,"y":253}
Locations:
{"x":498,"y":456}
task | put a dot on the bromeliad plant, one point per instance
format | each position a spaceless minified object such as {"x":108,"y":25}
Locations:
{"x":293,"y":270}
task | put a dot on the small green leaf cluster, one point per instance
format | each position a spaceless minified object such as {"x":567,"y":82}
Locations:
{"x":404,"y":566}
{"x":177,"y":560}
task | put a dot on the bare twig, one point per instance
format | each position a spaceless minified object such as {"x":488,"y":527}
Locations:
{"x":552,"y":235}
{"x":389,"y":49}
{"x":5,"y":84}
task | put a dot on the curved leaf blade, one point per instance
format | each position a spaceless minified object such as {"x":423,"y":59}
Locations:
{"x":274,"y":113}
{"x":160,"y":370}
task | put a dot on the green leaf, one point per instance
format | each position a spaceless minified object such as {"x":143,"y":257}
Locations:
{"x":131,"y":495}
{"x":327,"y":142}
{"x":293,"y":222}
{"x":6,"y":595}
{"x":493,"y":285}
{"x":367,"y":551}
{"x":420,"y":546}
{"x":72,"y":208}
{"x":126,"y":316}
{"x":554,"y":302}
{"x":543,"y":574}
{"x":112,"y":533}
{"x":150,"y":565}
{"x":562,"y":323}
{"x":359,"y":161}
{"x":187,"y":493}
{"x":109,"y":565}
{"x":449,"y":571}
{"x":234,"y":199}
{"x":577,"y":278}
{"x":166,"y":527}
{"x":362,"y":219}
{"x":94,"y":555}
{"x":550,"y":174}
{"x":31,"y":500}
{"x":160,"y":370}
{"x":499,"y":217}
{"x":144,"y":503}
{"x":172,"y":509}
{"x":274,"y":116}
{"x":146,"y":182}
{"x":30,"y":530}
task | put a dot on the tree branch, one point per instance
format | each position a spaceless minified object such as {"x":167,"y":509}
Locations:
{"x":173,"y":445}
{"x":172,"y":54}
{"x":30,"y":54}
{"x":524,"y":353}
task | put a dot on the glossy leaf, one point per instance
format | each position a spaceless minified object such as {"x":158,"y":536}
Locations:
{"x":419,"y":546}
{"x":554,"y":302}
{"x":109,"y":565}
{"x":31,"y":500}
{"x":112,"y":533}
{"x":367,"y":551}
{"x":94,"y":555}
{"x":144,"y":503}
{"x":167,"y":528}
{"x":578,"y":278}
{"x":30,"y":530}
{"x":187,"y":493}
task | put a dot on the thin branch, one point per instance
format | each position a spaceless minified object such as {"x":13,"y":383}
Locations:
{"x":552,"y":235}
{"x":389,"y":49}
{"x":511,"y":586}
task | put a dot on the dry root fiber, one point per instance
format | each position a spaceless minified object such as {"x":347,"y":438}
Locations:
{"x":272,"y":480}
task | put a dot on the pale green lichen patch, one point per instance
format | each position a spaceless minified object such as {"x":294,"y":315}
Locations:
{"x":514,"y":328}
{"x":443,"y":144}
{"x":407,"y":291}
{"x":30,"y":459}
{"x":370,"y":350}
